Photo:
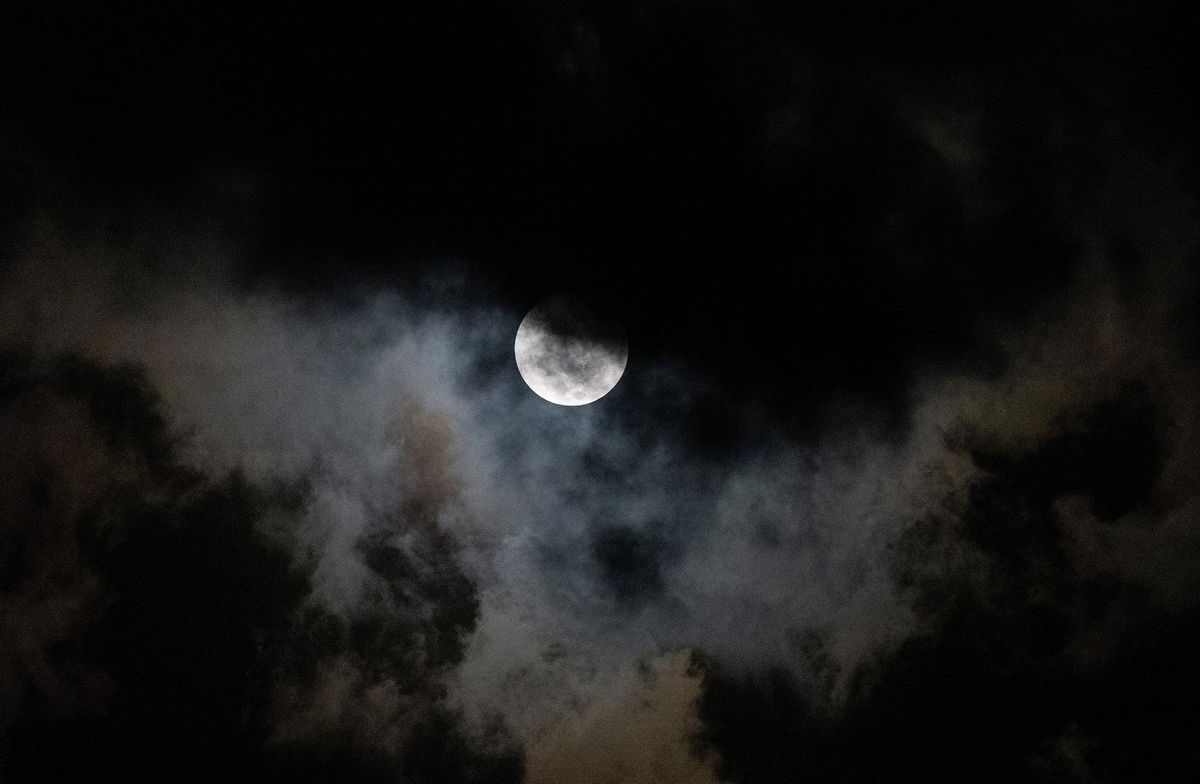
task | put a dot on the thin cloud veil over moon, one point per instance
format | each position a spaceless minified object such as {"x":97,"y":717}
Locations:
{"x":569,"y":353}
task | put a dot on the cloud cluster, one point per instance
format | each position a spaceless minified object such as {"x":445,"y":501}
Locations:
{"x":461,"y":569}
{"x":924,"y":505}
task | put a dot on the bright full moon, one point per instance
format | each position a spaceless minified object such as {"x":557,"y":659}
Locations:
{"x":568,"y":353}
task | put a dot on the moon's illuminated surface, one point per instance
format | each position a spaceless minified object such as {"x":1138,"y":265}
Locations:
{"x":568,"y":353}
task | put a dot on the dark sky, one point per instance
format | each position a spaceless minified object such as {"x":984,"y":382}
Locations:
{"x":900,"y":482}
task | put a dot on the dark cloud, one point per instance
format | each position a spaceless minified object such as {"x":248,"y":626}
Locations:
{"x":1114,"y":456}
{"x":151,"y":622}
{"x":1035,"y":665}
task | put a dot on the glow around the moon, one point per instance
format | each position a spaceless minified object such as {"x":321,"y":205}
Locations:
{"x":569,"y":354}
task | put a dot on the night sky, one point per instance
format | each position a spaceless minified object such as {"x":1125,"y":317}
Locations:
{"x":901,"y":481}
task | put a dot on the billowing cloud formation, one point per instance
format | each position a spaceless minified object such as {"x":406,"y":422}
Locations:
{"x":283,"y":622}
{"x":584,"y":531}
{"x":449,"y":548}
{"x":1054,"y":590}
{"x":419,"y":570}
{"x":905,"y":491}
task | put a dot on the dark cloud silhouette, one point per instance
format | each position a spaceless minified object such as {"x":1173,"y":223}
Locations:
{"x":1034,"y":667}
{"x":1114,"y":456}
{"x":150,"y":619}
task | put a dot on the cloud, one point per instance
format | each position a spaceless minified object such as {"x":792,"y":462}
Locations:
{"x":442,"y":512}
{"x":477,"y":557}
{"x":1049,"y":572}
{"x":161,"y":620}
{"x":135,"y":589}
{"x":638,"y":730}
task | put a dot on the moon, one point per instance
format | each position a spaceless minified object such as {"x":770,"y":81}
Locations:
{"x":569,"y":353}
